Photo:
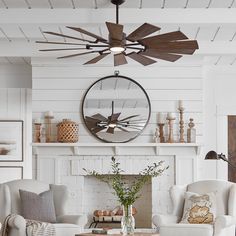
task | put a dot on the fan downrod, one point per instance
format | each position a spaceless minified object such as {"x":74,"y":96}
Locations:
{"x":117,"y":2}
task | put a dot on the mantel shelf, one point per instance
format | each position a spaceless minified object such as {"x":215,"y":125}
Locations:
{"x":116,"y":146}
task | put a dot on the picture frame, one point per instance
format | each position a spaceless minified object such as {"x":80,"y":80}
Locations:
{"x":9,"y":173}
{"x":11,"y":140}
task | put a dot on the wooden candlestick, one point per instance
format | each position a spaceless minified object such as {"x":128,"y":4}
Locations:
{"x":161,"y":132}
{"x":37,"y":132}
{"x":48,"y":121}
{"x":181,"y":125}
{"x":171,"y":132}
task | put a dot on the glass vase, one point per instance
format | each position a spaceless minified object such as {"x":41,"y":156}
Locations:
{"x":127,"y":221}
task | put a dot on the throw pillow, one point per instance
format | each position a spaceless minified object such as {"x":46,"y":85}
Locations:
{"x":38,"y":206}
{"x":199,"y":208}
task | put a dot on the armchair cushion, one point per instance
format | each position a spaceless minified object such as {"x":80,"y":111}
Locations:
{"x":160,"y":220}
{"x":38,"y":206}
{"x":199,"y":208}
{"x":187,"y":230}
{"x":80,"y":220}
{"x":67,"y":229}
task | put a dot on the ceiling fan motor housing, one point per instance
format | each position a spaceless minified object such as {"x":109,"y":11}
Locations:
{"x":117,"y":43}
{"x":117,"y":2}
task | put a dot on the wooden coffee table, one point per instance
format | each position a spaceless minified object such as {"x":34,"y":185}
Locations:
{"x":136,"y":233}
{"x":117,"y":234}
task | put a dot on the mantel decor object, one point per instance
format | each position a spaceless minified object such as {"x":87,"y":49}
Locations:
{"x":126,"y":193}
{"x":37,"y":130}
{"x":161,"y":123}
{"x":156,"y":136}
{"x":181,"y":122}
{"x":67,"y":131}
{"x":48,"y":121}
{"x":161,"y":132}
{"x":170,"y":117}
{"x":191,"y":132}
{"x":116,"y":109}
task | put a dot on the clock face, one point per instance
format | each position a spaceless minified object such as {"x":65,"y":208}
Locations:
{"x":116,"y":109}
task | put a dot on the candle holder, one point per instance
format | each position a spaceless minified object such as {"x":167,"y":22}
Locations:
{"x":161,"y":132}
{"x":181,"y":125}
{"x":171,"y":132}
{"x":37,"y":132}
{"x":156,"y":136}
{"x":191,"y":132}
{"x":48,"y":122}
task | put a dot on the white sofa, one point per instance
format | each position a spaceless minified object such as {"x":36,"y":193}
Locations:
{"x":67,"y":225}
{"x":226,"y":211}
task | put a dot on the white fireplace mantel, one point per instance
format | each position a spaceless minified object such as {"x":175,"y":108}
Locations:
{"x":64,"y":163}
{"x":117,"y":148}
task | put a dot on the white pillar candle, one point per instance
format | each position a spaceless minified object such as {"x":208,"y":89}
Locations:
{"x":180,"y":103}
{"x":49,"y":113}
{"x":170,"y":115}
{"x":37,"y":121}
{"x":160,"y":118}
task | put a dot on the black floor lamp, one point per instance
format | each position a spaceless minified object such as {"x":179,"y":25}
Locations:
{"x":212,"y":155}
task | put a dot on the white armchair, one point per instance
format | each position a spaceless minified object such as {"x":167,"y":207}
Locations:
{"x":226,"y":211}
{"x":67,"y":225}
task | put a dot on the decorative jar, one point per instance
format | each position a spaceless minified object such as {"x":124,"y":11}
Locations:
{"x":67,"y":131}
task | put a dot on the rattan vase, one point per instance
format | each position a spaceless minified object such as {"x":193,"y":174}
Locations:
{"x":67,"y":131}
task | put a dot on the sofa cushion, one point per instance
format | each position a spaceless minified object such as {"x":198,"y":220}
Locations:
{"x":38,"y":206}
{"x":67,"y":229}
{"x":199,"y":208}
{"x":187,"y":230}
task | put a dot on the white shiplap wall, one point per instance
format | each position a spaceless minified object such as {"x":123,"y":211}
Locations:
{"x":60,"y":88}
{"x":15,"y":104}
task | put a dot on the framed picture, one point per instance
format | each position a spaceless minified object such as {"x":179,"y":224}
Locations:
{"x":11,"y":140}
{"x":9,"y":173}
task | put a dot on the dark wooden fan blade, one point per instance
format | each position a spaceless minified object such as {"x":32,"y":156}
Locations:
{"x":141,"y":32}
{"x":100,"y":117}
{"x":98,"y":129}
{"x":68,"y":36}
{"x":172,"y":36}
{"x":175,"y":51}
{"x":96,"y":59}
{"x":141,"y":59}
{"x":119,"y":59}
{"x":115,"y":30}
{"x":63,"y":43}
{"x":114,"y":117}
{"x":77,"y":54}
{"x":190,"y":44}
{"x":91,"y":119}
{"x":110,"y":130}
{"x":129,"y":117}
{"x":99,"y":38}
{"x":162,"y":56}
{"x":61,"y":49}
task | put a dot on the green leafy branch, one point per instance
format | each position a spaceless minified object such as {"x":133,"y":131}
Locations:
{"x":128,"y":194}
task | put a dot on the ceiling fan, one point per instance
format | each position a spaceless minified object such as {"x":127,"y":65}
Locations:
{"x":137,"y":46}
{"x":98,"y":122}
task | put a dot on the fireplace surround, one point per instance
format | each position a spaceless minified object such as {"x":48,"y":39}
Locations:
{"x":64,"y":163}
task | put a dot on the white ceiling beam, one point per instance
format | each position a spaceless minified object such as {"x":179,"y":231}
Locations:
{"x":132,"y":16}
{"x":30,"y":49}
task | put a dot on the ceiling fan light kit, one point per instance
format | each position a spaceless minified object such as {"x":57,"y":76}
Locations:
{"x":141,"y":48}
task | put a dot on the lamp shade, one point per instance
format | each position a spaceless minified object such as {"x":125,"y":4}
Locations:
{"x":212,"y":155}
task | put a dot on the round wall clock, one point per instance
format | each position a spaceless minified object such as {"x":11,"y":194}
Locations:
{"x":116,"y":109}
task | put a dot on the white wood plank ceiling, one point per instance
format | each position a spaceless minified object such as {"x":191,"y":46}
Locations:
{"x":52,"y":4}
{"x":217,"y":39}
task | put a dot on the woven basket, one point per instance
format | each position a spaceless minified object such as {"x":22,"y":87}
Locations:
{"x":67,"y":131}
